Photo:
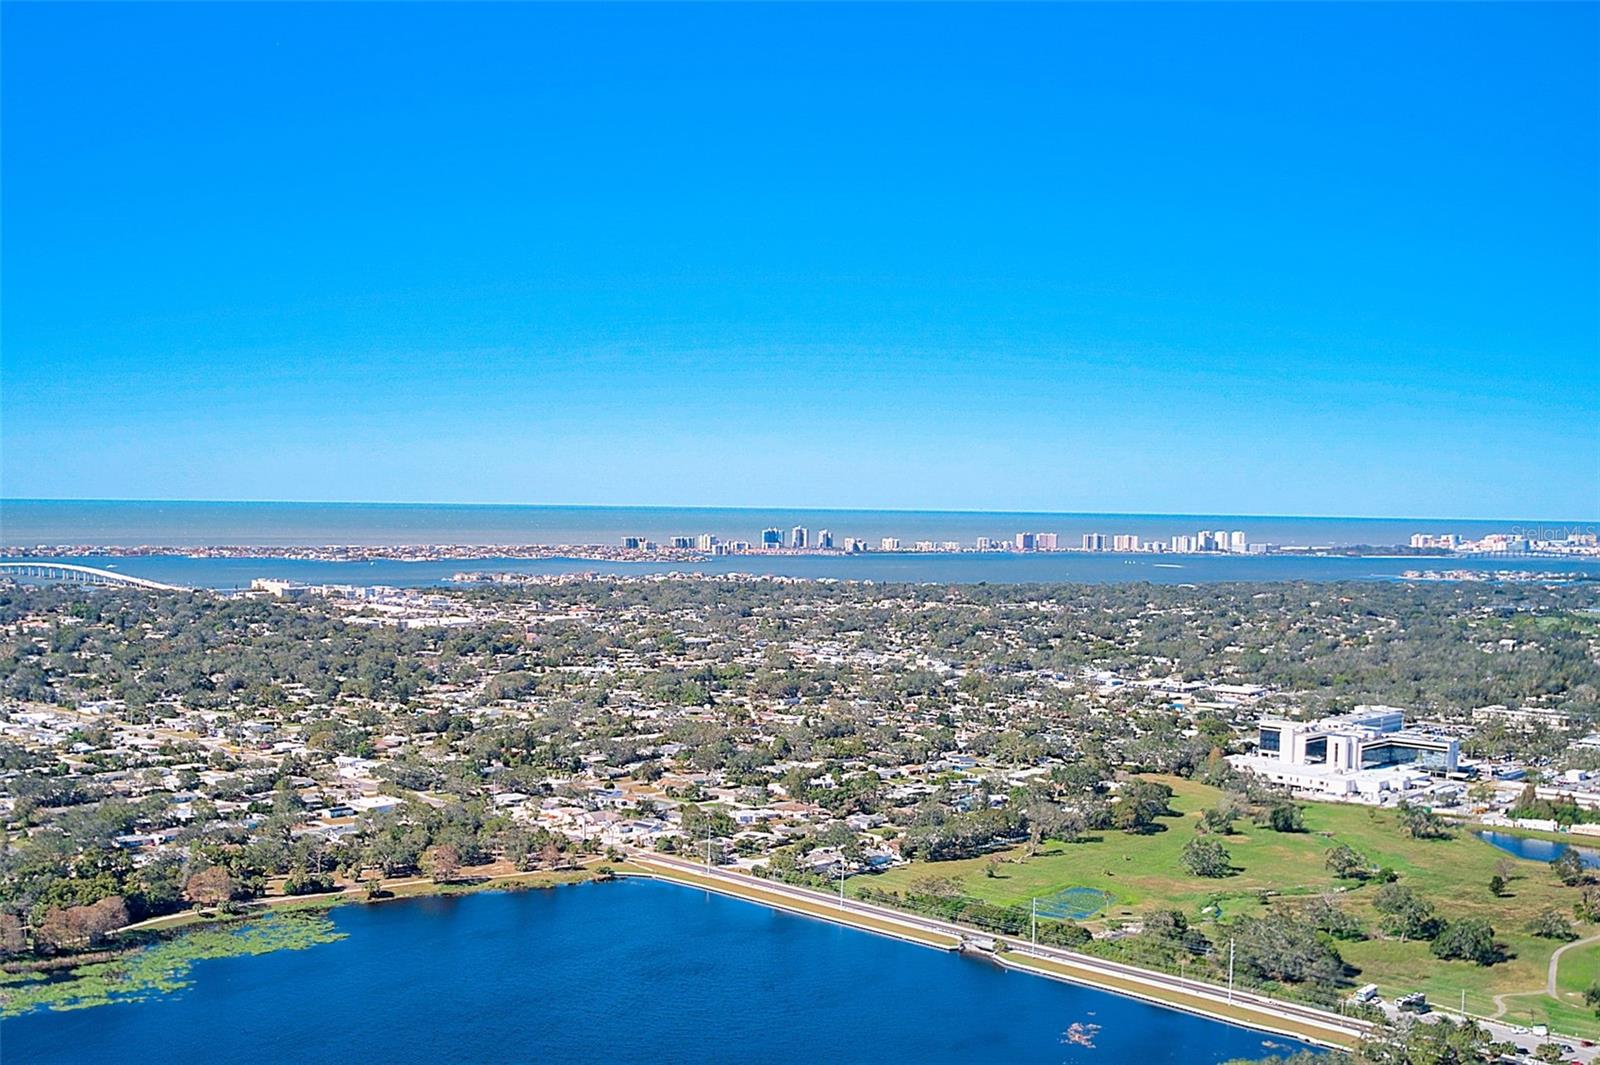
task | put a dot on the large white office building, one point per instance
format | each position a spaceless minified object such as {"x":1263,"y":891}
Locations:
{"x":1368,"y":755}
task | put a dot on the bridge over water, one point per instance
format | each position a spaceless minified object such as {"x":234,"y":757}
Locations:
{"x":75,"y":574}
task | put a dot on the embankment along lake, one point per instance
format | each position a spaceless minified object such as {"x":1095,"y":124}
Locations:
{"x":630,"y":971}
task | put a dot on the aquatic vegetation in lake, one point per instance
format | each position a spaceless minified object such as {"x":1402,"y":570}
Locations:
{"x":161,"y":967}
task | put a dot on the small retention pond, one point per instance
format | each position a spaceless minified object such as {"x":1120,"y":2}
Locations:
{"x":1535,"y":849}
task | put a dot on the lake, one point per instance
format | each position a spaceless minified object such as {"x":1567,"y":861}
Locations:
{"x":1536,"y":849}
{"x":634,"y":971}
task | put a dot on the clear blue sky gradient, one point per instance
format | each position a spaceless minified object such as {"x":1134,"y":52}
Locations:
{"x":1302,"y":259}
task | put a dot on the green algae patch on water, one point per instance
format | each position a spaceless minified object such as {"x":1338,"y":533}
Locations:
{"x":162,"y":967}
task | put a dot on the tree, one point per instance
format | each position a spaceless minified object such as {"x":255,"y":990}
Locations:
{"x":210,"y":887}
{"x":1203,"y":856}
{"x":1325,"y":915}
{"x":1549,"y":924}
{"x":59,"y":929}
{"x":1218,"y":819}
{"x":13,"y":935}
{"x":442,"y":862}
{"x":1497,"y":886}
{"x":1569,"y":868}
{"x":104,"y":917}
{"x":700,"y":822}
{"x":1343,"y":862}
{"x":1286,"y":949}
{"x":1419,"y":823}
{"x":1403,"y":913}
{"x":1047,"y":820}
{"x":1407,"y":1041}
{"x":1469,"y":938}
{"x":1139,"y":803}
{"x":1591,"y":997}
{"x":1587,"y":908}
{"x":1286,"y":817}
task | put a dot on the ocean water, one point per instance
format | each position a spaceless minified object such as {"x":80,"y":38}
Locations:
{"x":227,"y":574}
{"x":624,"y":972}
{"x":29,"y":523}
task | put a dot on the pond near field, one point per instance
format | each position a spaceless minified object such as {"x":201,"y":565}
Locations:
{"x":1536,"y":849}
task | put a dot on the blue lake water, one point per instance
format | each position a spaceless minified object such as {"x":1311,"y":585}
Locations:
{"x":998,"y":568}
{"x":1535,"y":849}
{"x":625,"y":972}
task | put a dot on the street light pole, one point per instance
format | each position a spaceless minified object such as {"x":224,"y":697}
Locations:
{"x":1230,"y":970}
{"x":1035,"y":921}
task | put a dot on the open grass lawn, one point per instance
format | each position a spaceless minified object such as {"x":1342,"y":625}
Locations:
{"x":1142,"y":873}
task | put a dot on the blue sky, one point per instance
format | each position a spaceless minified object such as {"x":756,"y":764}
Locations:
{"x":1301,"y":259}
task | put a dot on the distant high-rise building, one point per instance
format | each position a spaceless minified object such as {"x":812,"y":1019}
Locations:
{"x":889,"y":543}
{"x":1125,"y":542}
{"x":985,"y":544}
{"x":682,"y":541}
{"x":1025,"y":541}
{"x":1236,"y":541}
{"x":1044,"y":541}
{"x":1183,"y":545}
{"x":1094,"y":541}
{"x":825,"y":540}
{"x":705,"y":541}
{"x":855,"y":546}
{"x":771,"y":538}
{"x":631,"y":543}
{"x":799,"y":537}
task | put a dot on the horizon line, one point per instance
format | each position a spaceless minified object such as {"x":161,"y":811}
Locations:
{"x":784,"y":507}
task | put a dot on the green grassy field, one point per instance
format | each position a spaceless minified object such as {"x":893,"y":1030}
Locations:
{"x":1142,"y":872}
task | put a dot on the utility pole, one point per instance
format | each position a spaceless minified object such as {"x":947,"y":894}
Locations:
{"x":1230,"y":970}
{"x":841,"y":880}
{"x":1035,"y":921}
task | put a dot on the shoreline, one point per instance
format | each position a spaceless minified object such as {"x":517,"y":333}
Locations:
{"x":1310,"y":1025}
{"x":1340,"y":1033}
